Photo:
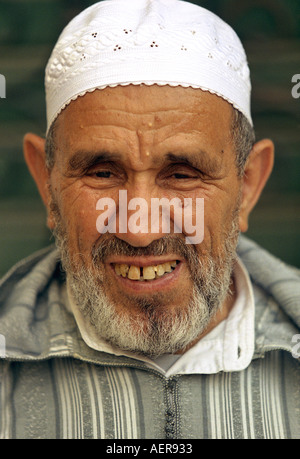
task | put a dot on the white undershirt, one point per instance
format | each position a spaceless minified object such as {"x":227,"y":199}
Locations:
{"x":228,"y":347}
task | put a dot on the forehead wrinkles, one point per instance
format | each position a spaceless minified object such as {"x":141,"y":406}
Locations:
{"x":115,"y":125}
{"x":98,"y":117}
{"x":147,"y":118}
{"x":118,"y":131}
{"x":153,"y":102}
{"x":163,"y":124}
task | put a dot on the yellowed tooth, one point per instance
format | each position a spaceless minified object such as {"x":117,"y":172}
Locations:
{"x":148,"y":272}
{"x":124,"y":270}
{"x":134,"y":273}
{"x":117,"y":269}
{"x":160,"y":270}
{"x":167,"y":267}
{"x":173,"y":264}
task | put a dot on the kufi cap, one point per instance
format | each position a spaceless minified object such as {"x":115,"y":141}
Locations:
{"x":164,"y":42}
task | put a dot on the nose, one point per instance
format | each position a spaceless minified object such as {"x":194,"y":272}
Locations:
{"x":138,"y":219}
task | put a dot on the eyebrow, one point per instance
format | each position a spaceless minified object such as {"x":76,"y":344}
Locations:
{"x":83,"y":160}
{"x":198,"y":160}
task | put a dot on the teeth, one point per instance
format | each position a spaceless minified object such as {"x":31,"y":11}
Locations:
{"x":167,"y":267}
{"x":145,"y":273}
{"x":118,"y":270}
{"x":160,"y":270}
{"x":134,"y":273}
{"x":148,"y":272}
{"x":124,"y":270}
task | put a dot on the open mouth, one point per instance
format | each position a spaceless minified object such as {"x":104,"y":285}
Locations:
{"x":144,"y":273}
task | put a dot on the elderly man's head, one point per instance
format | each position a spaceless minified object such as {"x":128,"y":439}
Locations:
{"x":149,"y":292}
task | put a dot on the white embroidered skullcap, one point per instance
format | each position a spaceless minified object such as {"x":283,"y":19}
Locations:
{"x":164,"y":42}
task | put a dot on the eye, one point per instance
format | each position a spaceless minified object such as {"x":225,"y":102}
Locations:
{"x":182,"y":172}
{"x":103,"y":174}
{"x":178,"y":175}
{"x":102,"y":171}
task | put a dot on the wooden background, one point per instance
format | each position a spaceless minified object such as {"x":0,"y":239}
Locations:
{"x":270,"y":31}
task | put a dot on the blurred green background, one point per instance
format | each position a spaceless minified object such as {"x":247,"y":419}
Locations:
{"x":270,"y":31}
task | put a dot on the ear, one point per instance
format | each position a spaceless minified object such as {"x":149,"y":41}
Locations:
{"x":257,"y":171}
{"x":35,"y":157}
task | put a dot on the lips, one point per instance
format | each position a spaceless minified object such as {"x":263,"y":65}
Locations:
{"x":144,"y":273}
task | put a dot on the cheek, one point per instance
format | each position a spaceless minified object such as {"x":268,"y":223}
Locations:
{"x":218,"y":218}
{"x":86,"y":225}
{"x":80,"y":217}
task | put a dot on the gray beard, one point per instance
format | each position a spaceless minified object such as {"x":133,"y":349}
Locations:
{"x":154,"y":330}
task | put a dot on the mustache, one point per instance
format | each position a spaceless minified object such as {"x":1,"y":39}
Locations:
{"x":111,"y":245}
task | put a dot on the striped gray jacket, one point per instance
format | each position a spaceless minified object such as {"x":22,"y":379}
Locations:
{"x":52,"y":385}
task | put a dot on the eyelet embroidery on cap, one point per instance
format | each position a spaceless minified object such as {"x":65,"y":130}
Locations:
{"x":93,"y":42}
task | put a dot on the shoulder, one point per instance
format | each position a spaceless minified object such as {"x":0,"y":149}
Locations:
{"x":276,"y":287}
{"x":32,"y":311}
{"x":30,"y":273}
{"x":266,"y":269}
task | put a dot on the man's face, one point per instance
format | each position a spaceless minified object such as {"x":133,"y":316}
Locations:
{"x":153,"y":142}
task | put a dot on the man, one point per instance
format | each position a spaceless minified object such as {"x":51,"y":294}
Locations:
{"x":133,"y":330}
